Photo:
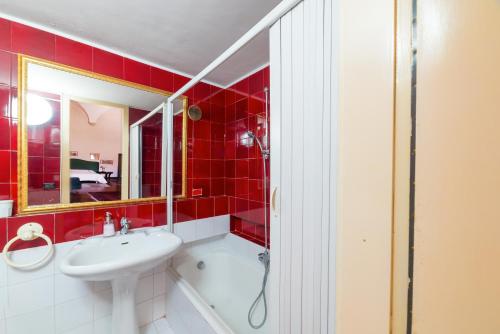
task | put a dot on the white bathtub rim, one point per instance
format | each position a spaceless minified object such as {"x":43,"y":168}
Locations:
{"x":199,"y":303}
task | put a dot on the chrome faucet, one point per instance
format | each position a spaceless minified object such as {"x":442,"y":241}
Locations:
{"x":125,"y":225}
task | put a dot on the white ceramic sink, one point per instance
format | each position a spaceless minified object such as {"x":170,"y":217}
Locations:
{"x":120,"y":259}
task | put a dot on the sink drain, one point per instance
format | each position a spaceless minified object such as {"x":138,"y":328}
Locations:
{"x":200,"y":265}
{"x":212,"y":306}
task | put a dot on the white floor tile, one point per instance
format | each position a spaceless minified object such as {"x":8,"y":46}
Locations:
{"x":163,"y":327}
{"x":148,"y":329}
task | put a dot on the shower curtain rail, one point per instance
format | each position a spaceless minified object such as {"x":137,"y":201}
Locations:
{"x":266,"y":22}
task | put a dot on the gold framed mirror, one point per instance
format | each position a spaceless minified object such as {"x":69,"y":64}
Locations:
{"x":74,"y":139}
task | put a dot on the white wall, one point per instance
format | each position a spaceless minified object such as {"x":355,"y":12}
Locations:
{"x":45,"y":301}
{"x":104,"y":137}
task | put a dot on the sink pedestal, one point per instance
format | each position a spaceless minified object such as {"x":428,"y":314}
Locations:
{"x":124,"y":316}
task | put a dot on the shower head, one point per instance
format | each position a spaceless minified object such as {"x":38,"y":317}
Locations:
{"x":194,"y":112}
{"x":263,"y":151}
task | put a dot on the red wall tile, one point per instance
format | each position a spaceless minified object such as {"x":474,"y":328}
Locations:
{"x":140,"y":215}
{"x":211,"y":143}
{"x":33,"y":42}
{"x":74,"y":225}
{"x":162,"y":79}
{"x":221,"y":205}
{"x":245,"y":110}
{"x":5,"y":69}
{"x":204,"y":208}
{"x":73,"y":53}
{"x":3,"y":231}
{"x":5,"y":35}
{"x":186,"y":210}
{"x":107,"y":63}
{"x":159,"y":214}
{"x":137,"y":72}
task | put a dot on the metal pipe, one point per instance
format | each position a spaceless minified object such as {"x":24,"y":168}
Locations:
{"x":168,"y":114}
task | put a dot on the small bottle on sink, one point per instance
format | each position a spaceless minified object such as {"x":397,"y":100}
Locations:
{"x":108,"y":229}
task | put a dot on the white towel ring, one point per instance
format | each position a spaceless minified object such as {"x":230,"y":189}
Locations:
{"x":27,"y":232}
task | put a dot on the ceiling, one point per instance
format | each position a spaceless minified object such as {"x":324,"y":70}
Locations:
{"x":181,"y":35}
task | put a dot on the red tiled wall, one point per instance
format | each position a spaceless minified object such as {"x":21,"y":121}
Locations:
{"x":245,"y":110}
{"x":151,"y":152}
{"x":205,"y":138}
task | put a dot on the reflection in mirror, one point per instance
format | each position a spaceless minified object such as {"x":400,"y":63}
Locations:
{"x":75,"y":129}
{"x":95,"y":143}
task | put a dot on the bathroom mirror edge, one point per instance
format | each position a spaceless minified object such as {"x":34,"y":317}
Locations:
{"x":23,"y":207}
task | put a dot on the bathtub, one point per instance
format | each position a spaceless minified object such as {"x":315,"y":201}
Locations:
{"x":219,"y":278}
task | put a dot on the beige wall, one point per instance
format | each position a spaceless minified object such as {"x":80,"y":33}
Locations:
{"x":366,"y":62}
{"x":457,"y":231}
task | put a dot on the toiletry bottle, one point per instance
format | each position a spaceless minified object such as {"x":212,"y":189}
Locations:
{"x":108,"y":229}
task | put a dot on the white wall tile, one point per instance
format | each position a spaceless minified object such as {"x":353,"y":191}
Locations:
{"x":102,"y":285}
{"x":163,"y":327}
{"x":3,"y":302}
{"x":68,"y":288}
{"x":30,"y":296}
{"x":186,"y":231}
{"x":144,"y":289}
{"x":159,"y":307}
{"x":15,"y":276}
{"x":85,"y":329}
{"x":148,"y":329}
{"x":3,"y":329}
{"x":177,"y":324}
{"x":160,"y":283}
{"x":103,"y":303}
{"x":221,"y":225}
{"x":161,"y":267}
{"x":39,"y":322}
{"x":3,"y":273}
{"x":60,"y":251}
{"x":73,"y":314}
{"x":103,"y":325}
{"x":144,"y":312}
{"x":204,"y":228}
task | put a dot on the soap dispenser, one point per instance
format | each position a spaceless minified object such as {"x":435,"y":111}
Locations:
{"x":108,"y":229}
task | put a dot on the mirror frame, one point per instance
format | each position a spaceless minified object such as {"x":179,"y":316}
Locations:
{"x":22,"y":142}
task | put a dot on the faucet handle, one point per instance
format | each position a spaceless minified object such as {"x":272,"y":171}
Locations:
{"x":124,"y":221}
